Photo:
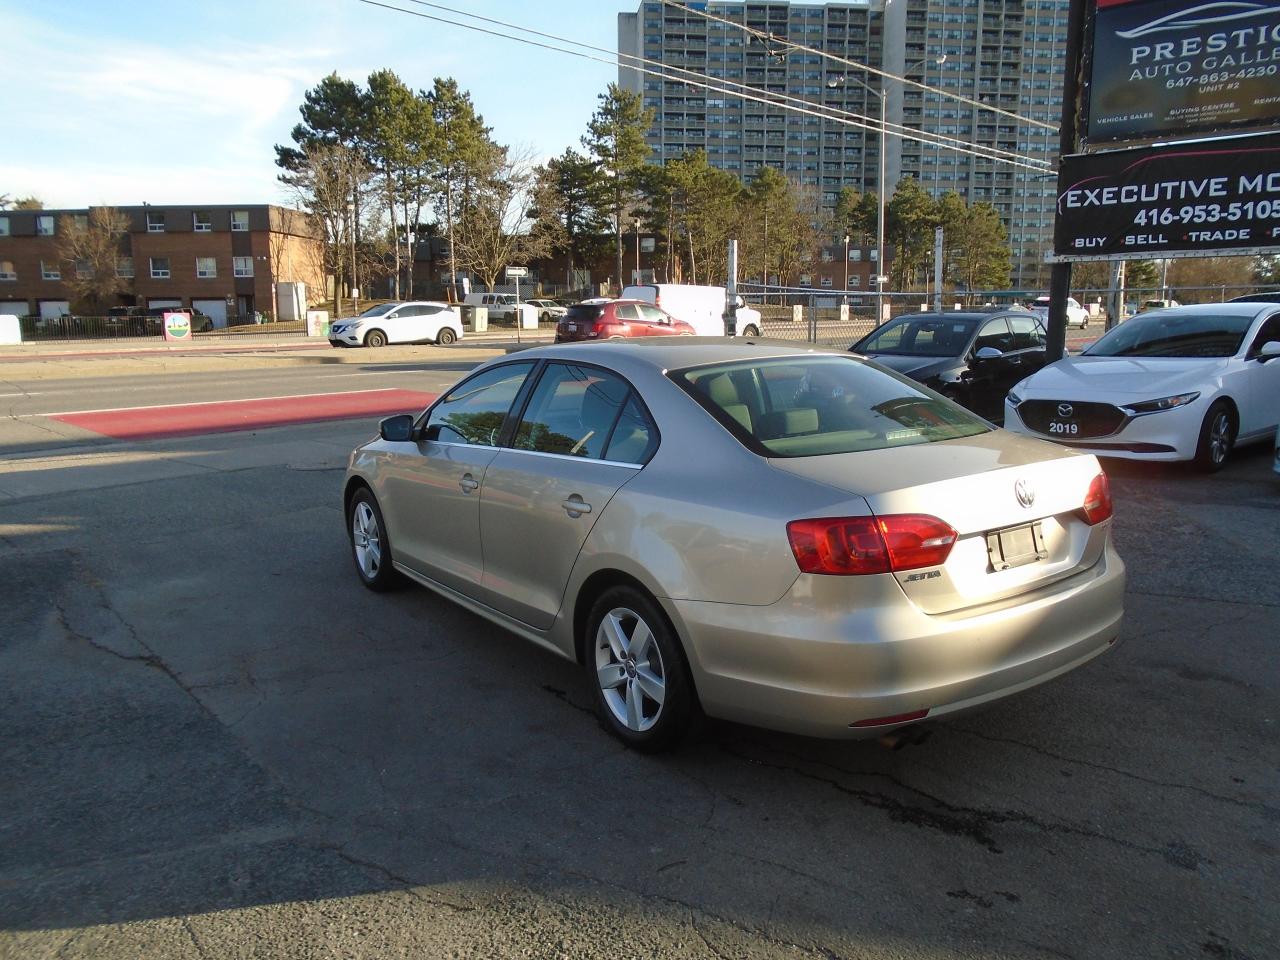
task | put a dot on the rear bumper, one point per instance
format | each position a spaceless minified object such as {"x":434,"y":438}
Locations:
{"x":814,"y":664}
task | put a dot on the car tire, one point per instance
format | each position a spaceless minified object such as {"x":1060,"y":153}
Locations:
{"x":751,"y":331}
{"x":1217,"y":437}
{"x":370,"y":546}
{"x":446,"y":336}
{"x":637,"y":671}
{"x":375,"y":338}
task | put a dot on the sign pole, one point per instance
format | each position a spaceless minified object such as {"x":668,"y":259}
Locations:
{"x":1060,"y":277}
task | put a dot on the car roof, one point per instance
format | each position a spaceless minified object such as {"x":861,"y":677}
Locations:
{"x":667,"y":353}
{"x":1257,"y":298}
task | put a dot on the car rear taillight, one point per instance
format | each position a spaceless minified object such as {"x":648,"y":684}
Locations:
{"x":1097,"y":502}
{"x":855,"y":546}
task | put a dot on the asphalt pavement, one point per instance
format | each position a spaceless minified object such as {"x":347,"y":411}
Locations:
{"x":217,"y":744}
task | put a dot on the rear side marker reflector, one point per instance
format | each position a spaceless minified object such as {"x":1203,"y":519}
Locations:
{"x":896,"y":718}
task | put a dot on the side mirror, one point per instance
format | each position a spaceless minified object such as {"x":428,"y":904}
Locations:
{"x":988,"y":353}
{"x":1269,"y":351}
{"x":398,"y":429}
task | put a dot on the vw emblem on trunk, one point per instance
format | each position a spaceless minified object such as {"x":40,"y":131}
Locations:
{"x":1022,"y":490}
{"x":1065,"y":410}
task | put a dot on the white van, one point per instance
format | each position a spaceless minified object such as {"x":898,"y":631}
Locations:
{"x":703,"y":308}
{"x":502,"y":306}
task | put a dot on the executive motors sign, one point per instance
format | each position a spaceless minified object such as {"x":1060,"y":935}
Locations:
{"x":1168,"y":68}
{"x":1206,"y":198}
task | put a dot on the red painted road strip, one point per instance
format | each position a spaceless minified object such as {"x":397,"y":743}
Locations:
{"x":194,"y":419}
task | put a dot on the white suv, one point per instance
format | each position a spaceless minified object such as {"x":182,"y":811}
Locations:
{"x":418,"y":321}
{"x":1077,"y":316}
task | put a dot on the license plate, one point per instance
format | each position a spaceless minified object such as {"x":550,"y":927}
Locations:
{"x":1015,"y":546}
{"x":571,"y":327}
{"x":1064,"y":428}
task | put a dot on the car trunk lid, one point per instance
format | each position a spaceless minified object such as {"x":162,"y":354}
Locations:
{"x":1014,"y":502}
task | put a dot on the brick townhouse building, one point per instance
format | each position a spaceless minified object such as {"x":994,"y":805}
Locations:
{"x":221,"y":260}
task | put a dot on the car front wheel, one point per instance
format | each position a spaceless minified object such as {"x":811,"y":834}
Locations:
{"x":637,"y":671}
{"x":1217,"y":436}
{"x":375,"y":338}
{"x":370,"y":548}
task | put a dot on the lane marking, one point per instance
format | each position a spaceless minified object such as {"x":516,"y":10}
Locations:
{"x":207,"y":403}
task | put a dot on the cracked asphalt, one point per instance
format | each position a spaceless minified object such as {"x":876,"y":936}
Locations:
{"x":215,"y":743}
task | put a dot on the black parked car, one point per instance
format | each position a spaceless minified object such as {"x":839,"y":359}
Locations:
{"x":973,"y":357}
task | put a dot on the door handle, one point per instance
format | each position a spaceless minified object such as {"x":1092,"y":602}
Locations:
{"x":468,"y":483}
{"x":575,"y":506}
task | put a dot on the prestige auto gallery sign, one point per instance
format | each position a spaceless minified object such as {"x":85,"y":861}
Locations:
{"x":1161,"y":67}
{"x":1198,"y":198}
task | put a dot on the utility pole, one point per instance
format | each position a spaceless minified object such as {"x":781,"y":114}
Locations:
{"x":1060,"y":278}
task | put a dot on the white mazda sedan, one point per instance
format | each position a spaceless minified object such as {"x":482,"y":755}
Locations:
{"x":1187,"y":383}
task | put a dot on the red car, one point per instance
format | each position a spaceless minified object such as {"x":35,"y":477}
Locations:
{"x":615,"y":319}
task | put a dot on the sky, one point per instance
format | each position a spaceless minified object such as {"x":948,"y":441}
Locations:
{"x":120,"y":102}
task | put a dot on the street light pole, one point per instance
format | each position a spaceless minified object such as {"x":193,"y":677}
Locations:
{"x":637,"y":234}
{"x":846,"y":268}
{"x":883,"y":94}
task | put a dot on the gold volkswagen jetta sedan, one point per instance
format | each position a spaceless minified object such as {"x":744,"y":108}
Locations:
{"x":771,"y":534}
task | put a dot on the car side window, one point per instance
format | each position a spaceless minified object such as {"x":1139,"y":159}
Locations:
{"x":651,"y":314}
{"x":634,"y":438}
{"x":1270,"y":330}
{"x":994,"y":333}
{"x":572,"y":411}
{"x":626,"y":311}
{"x":405,"y":312}
{"x":474,"y":411}
{"x":1025,"y":333}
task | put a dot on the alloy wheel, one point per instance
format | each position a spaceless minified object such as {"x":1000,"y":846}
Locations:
{"x":630,"y":670}
{"x":366,"y":539}
{"x":1220,"y":437}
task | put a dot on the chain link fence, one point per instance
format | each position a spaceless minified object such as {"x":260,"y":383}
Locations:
{"x":71,"y":328}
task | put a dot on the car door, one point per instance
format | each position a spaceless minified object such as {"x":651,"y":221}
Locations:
{"x":543,"y":494}
{"x":983,"y":392}
{"x":398,"y":324}
{"x":629,"y":314}
{"x":655,"y":320}
{"x":1263,"y":404}
{"x":432,"y":502}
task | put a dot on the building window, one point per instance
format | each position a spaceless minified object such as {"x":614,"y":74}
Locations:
{"x":242,"y":266}
{"x":202,"y":221}
{"x":4,"y":226}
{"x":124,"y":267}
{"x":50,"y":271}
{"x":84,"y":269}
{"x":206,"y":268}
{"x":155,"y":222}
{"x":239,"y":220}
{"x":159,"y":268}
{"x":6,"y":270}
{"x":855,"y":281}
{"x":825,"y":281}
{"x":44,"y":225}
{"x":81,"y":220}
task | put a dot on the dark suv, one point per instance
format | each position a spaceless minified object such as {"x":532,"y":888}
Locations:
{"x":618,"y":319}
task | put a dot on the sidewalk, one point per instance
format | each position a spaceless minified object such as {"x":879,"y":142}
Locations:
{"x":43,"y":361}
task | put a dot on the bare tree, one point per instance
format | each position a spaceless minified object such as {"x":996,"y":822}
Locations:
{"x":323,"y":180}
{"x":494,"y":228}
{"x":92,"y":248}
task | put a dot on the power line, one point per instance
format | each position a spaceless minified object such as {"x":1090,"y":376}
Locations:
{"x":716,"y":88}
{"x":860,"y":66}
{"x":835,"y":113}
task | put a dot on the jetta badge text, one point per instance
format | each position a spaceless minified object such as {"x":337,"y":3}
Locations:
{"x":1065,"y":410}
{"x":1022,"y":490}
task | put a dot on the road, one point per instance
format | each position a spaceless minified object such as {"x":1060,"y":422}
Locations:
{"x":217,"y":744}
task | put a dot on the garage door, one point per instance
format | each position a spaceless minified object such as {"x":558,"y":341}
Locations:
{"x":16,"y":308}
{"x":215,"y":309}
{"x":157,"y":304}
{"x":54,"y":308}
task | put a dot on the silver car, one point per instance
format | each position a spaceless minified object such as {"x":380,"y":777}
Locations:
{"x":770,"y":534}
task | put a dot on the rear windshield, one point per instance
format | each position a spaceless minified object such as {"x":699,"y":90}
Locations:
{"x":1170,"y":334}
{"x":584,"y":311}
{"x":921,"y":337}
{"x":819,"y":405}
